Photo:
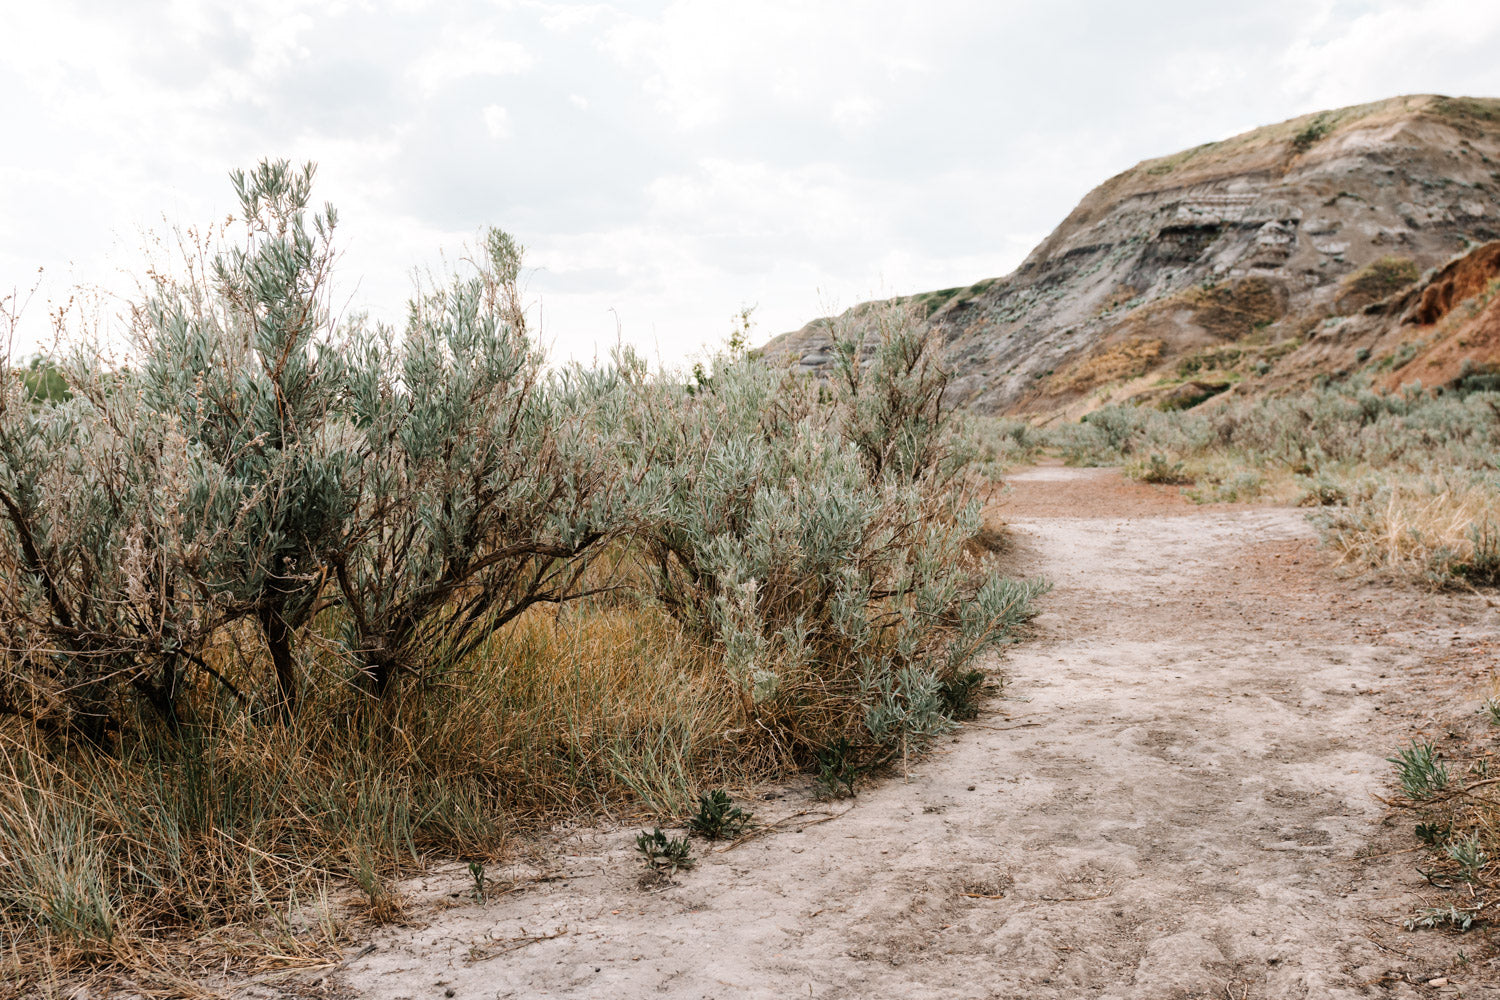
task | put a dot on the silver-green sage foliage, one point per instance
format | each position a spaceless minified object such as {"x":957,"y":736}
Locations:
{"x":817,"y":532}
{"x":310,"y":489}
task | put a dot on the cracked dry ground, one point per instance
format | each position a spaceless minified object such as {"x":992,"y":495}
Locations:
{"x":1176,"y":798}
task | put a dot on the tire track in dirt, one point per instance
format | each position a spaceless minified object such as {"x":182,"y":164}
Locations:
{"x":1170,"y":802}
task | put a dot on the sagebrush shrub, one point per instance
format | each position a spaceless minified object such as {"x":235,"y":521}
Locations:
{"x":816,"y":534}
{"x":486,"y":485}
{"x":310,"y":588}
{"x":263,"y":464}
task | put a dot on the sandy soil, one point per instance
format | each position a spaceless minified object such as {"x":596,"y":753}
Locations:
{"x":1176,"y":798}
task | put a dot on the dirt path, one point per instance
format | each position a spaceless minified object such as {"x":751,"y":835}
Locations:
{"x":1170,"y":802}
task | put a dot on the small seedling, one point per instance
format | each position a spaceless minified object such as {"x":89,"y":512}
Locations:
{"x":1420,"y":774}
{"x":1442,"y":916}
{"x":961,"y":693}
{"x":1491,"y":710}
{"x":664,"y":853}
{"x":1469,"y":854}
{"x":718,"y":817}
{"x":1432,"y":834}
{"x":836,"y":773}
{"x":382,"y":905}
{"x":476,"y":872}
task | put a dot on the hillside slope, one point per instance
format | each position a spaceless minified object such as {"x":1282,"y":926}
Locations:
{"x":1188,"y":273}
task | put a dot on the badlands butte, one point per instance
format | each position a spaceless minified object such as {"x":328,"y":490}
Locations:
{"x":1363,"y":238}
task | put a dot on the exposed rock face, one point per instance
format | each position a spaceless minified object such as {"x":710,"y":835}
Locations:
{"x":1258,"y":240}
{"x":1442,"y":331}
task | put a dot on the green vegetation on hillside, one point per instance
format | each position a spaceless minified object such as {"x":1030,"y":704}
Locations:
{"x":1408,"y":482}
{"x":1378,"y":279}
{"x":1309,"y":134}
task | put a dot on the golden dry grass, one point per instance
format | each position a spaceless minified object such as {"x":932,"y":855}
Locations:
{"x":1417,"y":529}
{"x":1376,"y":280}
{"x":265,"y":843}
{"x":122,"y":868}
{"x":1274,"y":146}
{"x":1124,"y":360}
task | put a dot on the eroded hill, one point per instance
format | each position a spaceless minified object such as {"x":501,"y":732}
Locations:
{"x":1297,"y":249}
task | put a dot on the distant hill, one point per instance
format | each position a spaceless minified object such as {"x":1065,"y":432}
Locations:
{"x":1294,"y":250}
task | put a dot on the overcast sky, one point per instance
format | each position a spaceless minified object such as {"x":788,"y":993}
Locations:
{"x":665,"y":164}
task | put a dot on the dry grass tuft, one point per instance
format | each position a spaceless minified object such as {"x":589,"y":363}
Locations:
{"x":1423,"y":530}
{"x":251,"y":837}
{"x":1233,"y":310}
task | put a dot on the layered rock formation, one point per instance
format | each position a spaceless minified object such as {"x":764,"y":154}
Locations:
{"x":1231,"y":259}
{"x":1442,"y":331}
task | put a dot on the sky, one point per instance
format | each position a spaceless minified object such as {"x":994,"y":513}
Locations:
{"x":665,"y":164}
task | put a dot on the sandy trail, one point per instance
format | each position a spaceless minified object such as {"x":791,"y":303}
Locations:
{"x":1169,"y":802}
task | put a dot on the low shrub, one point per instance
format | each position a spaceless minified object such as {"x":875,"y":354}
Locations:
{"x":1322,"y":492}
{"x":1157,"y":469}
{"x":291,"y":603}
{"x":1404,"y":482}
{"x":718,"y":817}
{"x":817,"y":533}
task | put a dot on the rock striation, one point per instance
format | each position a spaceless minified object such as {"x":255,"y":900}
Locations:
{"x":1245,"y":249}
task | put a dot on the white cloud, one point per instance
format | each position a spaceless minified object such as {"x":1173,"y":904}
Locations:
{"x":1413,"y":46}
{"x":497,"y":121}
{"x":853,"y":113}
{"x":463,"y":51}
{"x":752,"y":201}
{"x":774,"y":153}
{"x":701,"y":59}
{"x":571,"y":16}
